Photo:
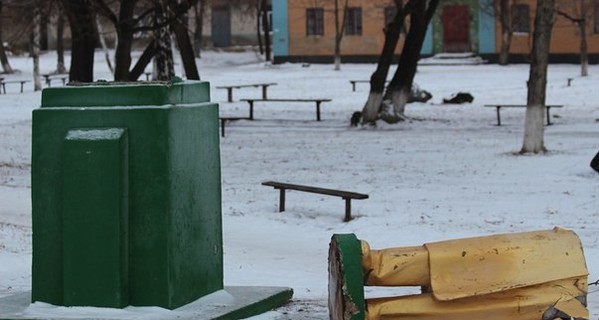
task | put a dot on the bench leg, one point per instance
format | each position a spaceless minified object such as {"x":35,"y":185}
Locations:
{"x":264,"y":89}
{"x":317,"y":110}
{"x":4,"y":87}
{"x":251,"y":109}
{"x":230,"y":94}
{"x":22,"y":83}
{"x":353,"y":86}
{"x":548,"y":118}
{"x":498,"y":116}
{"x":222,"y":127}
{"x":281,"y":200}
{"x":347,"y":209}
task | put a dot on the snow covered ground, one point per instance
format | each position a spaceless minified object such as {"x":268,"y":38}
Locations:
{"x":453,"y":174}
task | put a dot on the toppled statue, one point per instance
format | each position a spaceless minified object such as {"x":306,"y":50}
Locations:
{"x":540,"y":275}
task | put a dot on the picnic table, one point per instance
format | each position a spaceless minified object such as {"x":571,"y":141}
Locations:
{"x":239,"y":86}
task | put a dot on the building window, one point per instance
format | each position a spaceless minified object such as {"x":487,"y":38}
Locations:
{"x":389,"y":14}
{"x":353,"y":22}
{"x":596,"y":25}
{"x":520,"y":18}
{"x":315,"y":21}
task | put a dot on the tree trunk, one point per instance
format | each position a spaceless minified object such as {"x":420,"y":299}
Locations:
{"x":400,"y":87}
{"x":60,"y":67}
{"x":44,"y":31}
{"x":266,"y":28}
{"x":81,"y":20}
{"x":163,"y":58}
{"x":259,"y":33}
{"x":584,"y":55}
{"x":379,"y":76}
{"x":104,"y":46}
{"x":37,"y":18}
{"x":185,"y":48}
{"x":3,"y":58}
{"x":124,"y":31}
{"x":537,"y":81}
{"x":199,"y":26}
{"x":339,"y":29}
{"x":506,"y":32}
{"x":142,"y":62}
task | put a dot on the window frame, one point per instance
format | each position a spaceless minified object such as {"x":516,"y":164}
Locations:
{"x":353,"y":21}
{"x":315,"y":22}
{"x":520,"y":18}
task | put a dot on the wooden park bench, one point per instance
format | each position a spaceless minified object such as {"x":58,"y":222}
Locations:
{"x":224,"y":120}
{"x":346,"y":195}
{"x":255,"y":85}
{"x":317,"y":101}
{"x":500,"y":106}
{"x":353,"y":83}
{"x":4,"y":82}
{"x":48,"y":77}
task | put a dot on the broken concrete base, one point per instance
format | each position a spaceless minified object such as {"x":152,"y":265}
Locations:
{"x":230,"y":303}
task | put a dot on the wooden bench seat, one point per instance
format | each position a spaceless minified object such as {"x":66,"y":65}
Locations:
{"x":346,"y":195}
{"x":500,"y":106}
{"x":353,"y":83}
{"x":49,"y":77}
{"x":224,"y":120}
{"x":239,"y":86}
{"x":317,"y":101}
{"x":4,"y":82}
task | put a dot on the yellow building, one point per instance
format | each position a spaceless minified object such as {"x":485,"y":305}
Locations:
{"x":304,"y":30}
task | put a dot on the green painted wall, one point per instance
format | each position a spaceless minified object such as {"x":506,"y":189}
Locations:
{"x":173,"y":197}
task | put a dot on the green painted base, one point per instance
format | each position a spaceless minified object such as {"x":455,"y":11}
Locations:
{"x":231,"y":303}
{"x":346,"y":286}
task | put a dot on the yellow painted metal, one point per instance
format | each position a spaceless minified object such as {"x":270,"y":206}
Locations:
{"x":528,"y":303}
{"x":508,"y":276}
{"x":405,"y":266}
{"x":475,"y":266}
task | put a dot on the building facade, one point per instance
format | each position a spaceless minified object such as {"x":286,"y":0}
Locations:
{"x":304,"y":30}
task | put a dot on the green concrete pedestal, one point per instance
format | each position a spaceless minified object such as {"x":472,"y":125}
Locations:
{"x":231,"y":303}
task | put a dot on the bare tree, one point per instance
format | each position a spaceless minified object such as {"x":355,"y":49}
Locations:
{"x":60,"y":22}
{"x":578,"y":12}
{"x":83,"y":39}
{"x":199,"y":10}
{"x":37,"y":19}
{"x":266,"y":29}
{"x":104,"y":45}
{"x":506,"y":31}
{"x":537,"y":80}
{"x":379,"y":76}
{"x":3,"y":58}
{"x":339,"y":29}
{"x":399,"y":89}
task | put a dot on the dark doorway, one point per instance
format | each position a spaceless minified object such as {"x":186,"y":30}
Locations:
{"x":221,"y":26}
{"x":456,"y":29}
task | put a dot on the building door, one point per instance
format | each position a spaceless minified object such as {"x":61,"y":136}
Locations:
{"x":221,"y":26}
{"x":456,"y":28}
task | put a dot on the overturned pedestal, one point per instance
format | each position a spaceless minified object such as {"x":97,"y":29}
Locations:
{"x":532,"y":275}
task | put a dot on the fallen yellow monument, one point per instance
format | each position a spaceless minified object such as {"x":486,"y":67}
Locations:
{"x":538,"y":275}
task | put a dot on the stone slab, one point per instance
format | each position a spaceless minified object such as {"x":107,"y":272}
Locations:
{"x":231,"y":303}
